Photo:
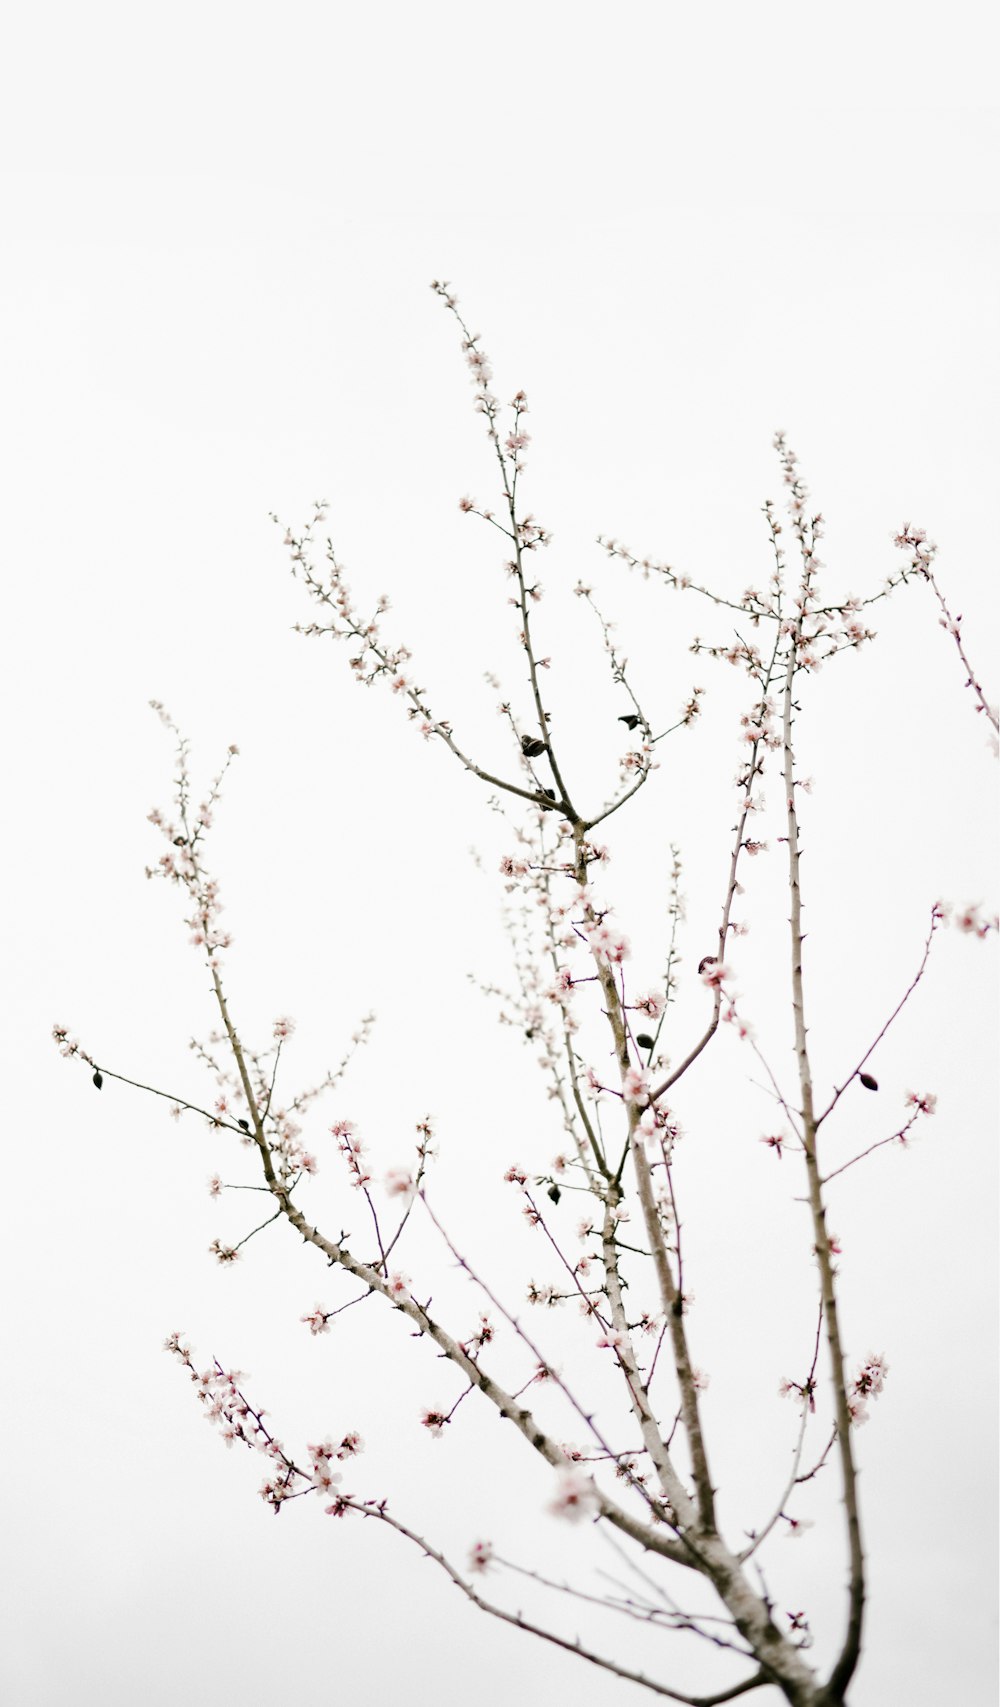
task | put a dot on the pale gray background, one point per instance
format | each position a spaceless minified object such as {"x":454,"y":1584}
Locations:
{"x":678,"y":228}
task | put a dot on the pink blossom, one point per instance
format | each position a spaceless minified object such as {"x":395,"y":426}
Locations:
{"x":325,"y":1479}
{"x":575,"y":1496}
{"x":398,"y":1286}
{"x":607,"y":943}
{"x":925,"y":1104}
{"x":433,"y":1422}
{"x":970,"y":921}
{"x":274,"y":1493}
{"x":214,"y":1186}
{"x":399,"y":1183}
{"x":283,"y":1028}
{"x":713,"y":972}
{"x":483,"y":1335}
{"x":870,"y":1379}
{"x":318,"y":1322}
{"x":651,"y":1005}
{"x":480,"y":1555}
{"x":635,"y":1084}
{"x":743,"y":1027}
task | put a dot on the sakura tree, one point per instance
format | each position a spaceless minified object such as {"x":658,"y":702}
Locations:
{"x":617,"y":1416}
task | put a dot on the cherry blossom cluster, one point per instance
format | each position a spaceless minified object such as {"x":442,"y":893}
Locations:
{"x":922,"y":552}
{"x":69,"y":1046}
{"x":607,"y":942}
{"x":971,"y":921}
{"x":372,"y":658}
{"x":867,"y":1384}
{"x":227,"y":1408}
{"x":352,"y":1148}
{"x":925,"y":1103}
{"x":575,"y":1496}
{"x":805,"y":1391}
{"x":285,"y":1140}
{"x":808,"y":630}
{"x":185,"y":833}
{"x":512,"y":445}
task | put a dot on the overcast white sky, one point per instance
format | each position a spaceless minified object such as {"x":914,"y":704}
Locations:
{"x":678,"y":228}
